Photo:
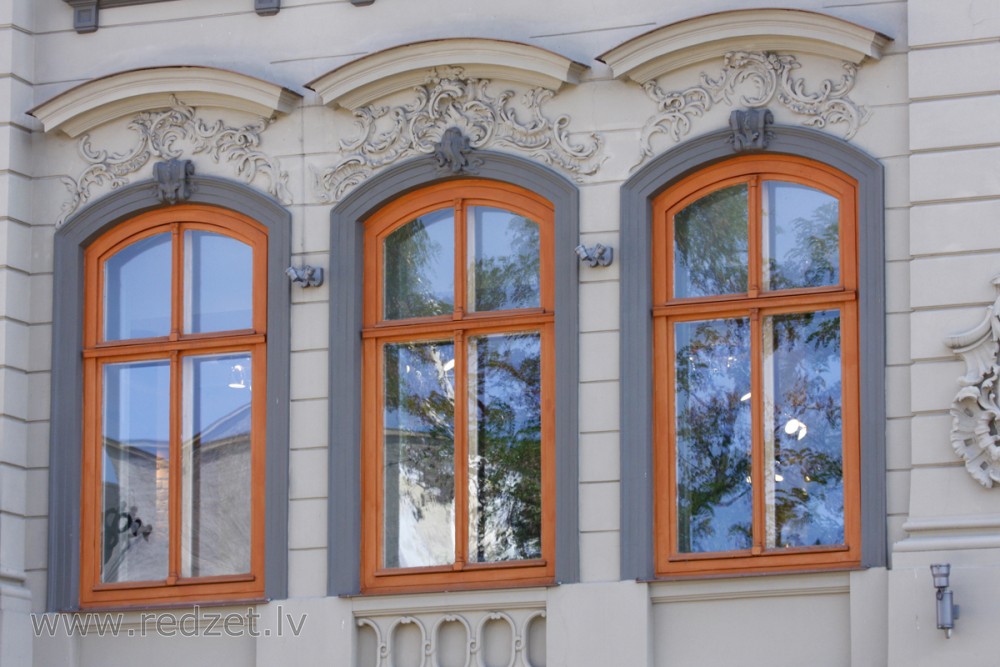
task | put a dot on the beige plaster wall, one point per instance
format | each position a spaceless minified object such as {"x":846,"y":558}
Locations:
{"x":940,"y":158}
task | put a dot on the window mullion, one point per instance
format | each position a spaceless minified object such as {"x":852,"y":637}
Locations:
{"x":757,"y":471}
{"x":755,"y":238}
{"x":462,"y":419}
{"x":461,"y":245}
{"x":177,"y":284}
{"x":174,"y":469}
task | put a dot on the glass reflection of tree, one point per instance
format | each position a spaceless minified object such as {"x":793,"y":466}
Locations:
{"x":713,"y":437}
{"x":808,"y":494}
{"x":510,"y":281}
{"x":710,"y":242}
{"x":410,"y":254}
{"x":814,"y":260}
{"x":713,"y":466}
{"x":505,"y":476}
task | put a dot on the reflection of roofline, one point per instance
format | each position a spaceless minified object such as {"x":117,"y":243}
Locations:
{"x":204,"y":440}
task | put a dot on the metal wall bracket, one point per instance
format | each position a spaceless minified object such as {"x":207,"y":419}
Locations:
{"x":596,"y":255}
{"x":306,"y":276}
{"x":267,"y":7}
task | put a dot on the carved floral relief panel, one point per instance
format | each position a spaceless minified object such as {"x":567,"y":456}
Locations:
{"x":168,"y":135}
{"x":484,"y":113}
{"x":975,"y":410}
{"x":754,"y":79}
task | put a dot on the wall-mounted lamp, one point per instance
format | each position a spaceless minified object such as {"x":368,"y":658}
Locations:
{"x":596,"y":255}
{"x":307,"y":276}
{"x":947,"y":610}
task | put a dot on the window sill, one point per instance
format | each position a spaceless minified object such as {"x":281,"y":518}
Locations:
{"x":729,"y":585}
{"x":165,"y":605}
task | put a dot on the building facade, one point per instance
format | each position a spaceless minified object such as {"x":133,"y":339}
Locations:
{"x":391,"y":333}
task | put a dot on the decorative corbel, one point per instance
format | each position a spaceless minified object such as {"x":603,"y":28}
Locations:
{"x":173,"y":180}
{"x":84,"y":15}
{"x":751,"y":129}
{"x":452,"y":153}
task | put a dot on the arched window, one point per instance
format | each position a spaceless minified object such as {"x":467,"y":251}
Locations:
{"x":753,"y":357}
{"x":174,"y":413}
{"x":458,"y":454}
{"x":755,"y":379}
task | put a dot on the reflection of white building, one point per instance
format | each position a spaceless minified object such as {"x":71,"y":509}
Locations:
{"x":226,"y":85}
{"x":216,"y":518}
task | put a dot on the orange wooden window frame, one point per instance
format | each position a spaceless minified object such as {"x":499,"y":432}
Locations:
{"x":173,"y":347}
{"x":456,"y":326}
{"x":753,"y":305}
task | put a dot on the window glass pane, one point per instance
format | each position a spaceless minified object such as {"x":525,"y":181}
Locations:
{"x":419,"y":265}
{"x":419,"y":450}
{"x":505,"y":436}
{"x":801,"y":237}
{"x":215,"y":465}
{"x":804,"y":489}
{"x":137,"y":290}
{"x":710,"y":245}
{"x":135,"y":454}
{"x":504,"y":260}
{"x":218,"y":283}
{"x":713,"y":426}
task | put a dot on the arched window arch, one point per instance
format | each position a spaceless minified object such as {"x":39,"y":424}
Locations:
{"x":670,"y":306}
{"x":170,"y":401}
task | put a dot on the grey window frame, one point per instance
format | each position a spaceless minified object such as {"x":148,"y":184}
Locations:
{"x":637,"y":194}
{"x":346,"y":283}
{"x":66,"y":420}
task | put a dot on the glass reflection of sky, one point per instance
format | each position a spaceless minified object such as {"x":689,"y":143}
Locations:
{"x":137,"y":404}
{"x":208,"y":397}
{"x":137,"y":290}
{"x":218,"y":283}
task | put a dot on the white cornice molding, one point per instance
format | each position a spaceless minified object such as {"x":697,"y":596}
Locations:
{"x":93,"y":103}
{"x":663,"y":50}
{"x":369,"y":78}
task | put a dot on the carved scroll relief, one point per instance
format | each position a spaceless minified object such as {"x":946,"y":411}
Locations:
{"x":754,"y":79}
{"x":168,"y":135}
{"x":451,"y":99}
{"x":975,"y":430}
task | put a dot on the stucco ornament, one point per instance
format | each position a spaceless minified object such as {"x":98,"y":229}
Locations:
{"x":451,"y":99}
{"x":167,"y":135}
{"x":975,"y":430}
{"x":753,"y":79}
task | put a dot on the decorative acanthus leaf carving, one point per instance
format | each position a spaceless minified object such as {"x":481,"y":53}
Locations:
{"x":753,"y":79}
{"x":975,"y":429}
{"x":166,"y":135}
{"x":450,"y":99}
